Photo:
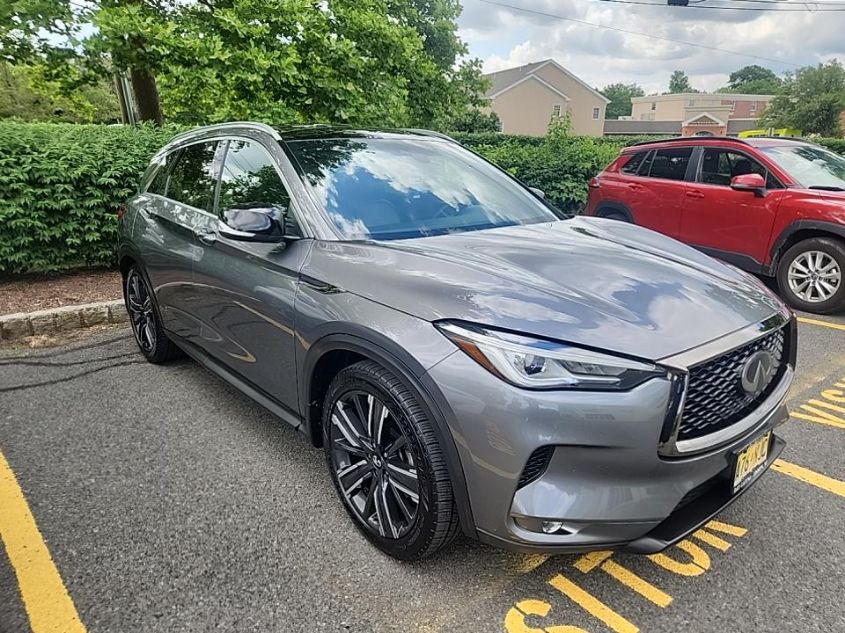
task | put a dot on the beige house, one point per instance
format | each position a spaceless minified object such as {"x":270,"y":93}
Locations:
{"x":527,"y":97}
{"x":696,"y":113}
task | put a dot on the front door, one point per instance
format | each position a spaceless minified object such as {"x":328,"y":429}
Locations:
{"x":246,"y":290}
{"x":734,"y":225}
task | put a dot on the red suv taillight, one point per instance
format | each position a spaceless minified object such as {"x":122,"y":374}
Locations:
{"x":594,"y":182}
{"x":121,"y":211}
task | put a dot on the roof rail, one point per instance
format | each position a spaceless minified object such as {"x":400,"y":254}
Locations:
{"x":222,"y":127}
{"x":686,"y":139}
{"x":423,"y":132}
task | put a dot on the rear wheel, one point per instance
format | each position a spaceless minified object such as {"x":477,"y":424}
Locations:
{"x":386,"y":463}
{"x":146,"y":325}
{"x":810,"y":275}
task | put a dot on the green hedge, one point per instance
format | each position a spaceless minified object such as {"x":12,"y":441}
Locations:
{"x":60,"y":187}
{"x":61,"y":184}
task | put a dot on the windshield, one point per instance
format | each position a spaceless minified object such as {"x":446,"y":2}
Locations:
{"x":389,"y":189}
{"x":811,"y":166}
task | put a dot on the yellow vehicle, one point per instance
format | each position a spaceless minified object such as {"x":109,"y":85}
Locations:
{"x":781,"y":131}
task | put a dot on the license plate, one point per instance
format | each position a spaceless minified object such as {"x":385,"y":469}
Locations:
{"x":750,"y":461}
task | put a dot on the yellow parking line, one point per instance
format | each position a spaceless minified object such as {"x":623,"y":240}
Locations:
{"x":835,"y":326}
{"x":811,"y":477}
{"x":45,"y":597}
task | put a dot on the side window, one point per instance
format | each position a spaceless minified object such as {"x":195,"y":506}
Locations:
{"x":719,"y":166}
{"x":634,"y":163}
{"x":249,"y":180}
{"x":192,"y":177}
{"x":670,"y":163}
{"x":158,"y":185}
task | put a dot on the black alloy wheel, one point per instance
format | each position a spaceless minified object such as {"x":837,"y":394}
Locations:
{"x":146,"y":325}
{"x":386,"y":463}
{"x":374,"y":464}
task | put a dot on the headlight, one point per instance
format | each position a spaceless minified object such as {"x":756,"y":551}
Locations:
{"x":539,"y":364}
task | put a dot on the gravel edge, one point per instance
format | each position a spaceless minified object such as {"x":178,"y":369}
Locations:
{"x":53,"y":320}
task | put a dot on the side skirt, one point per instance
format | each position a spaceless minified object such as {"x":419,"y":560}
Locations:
{"x":244,"y":386}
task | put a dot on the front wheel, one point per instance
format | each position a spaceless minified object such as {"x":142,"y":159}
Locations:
{"x":386,"y":463}
{"x":810,"y":275}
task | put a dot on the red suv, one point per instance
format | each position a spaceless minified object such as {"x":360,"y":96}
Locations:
{"x":772,"y":206}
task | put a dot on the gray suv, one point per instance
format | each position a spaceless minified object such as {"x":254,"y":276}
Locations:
{"x":469,"y":358}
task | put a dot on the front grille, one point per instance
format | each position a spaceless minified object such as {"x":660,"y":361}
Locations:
{"x":536,"y":465}
{"x":715,"y":398}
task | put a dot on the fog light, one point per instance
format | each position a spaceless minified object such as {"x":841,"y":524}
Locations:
{"x":550,"y":527}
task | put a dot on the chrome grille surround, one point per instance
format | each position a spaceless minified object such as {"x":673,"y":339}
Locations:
{"x":715,"y":399}
{"x":708,"y":378}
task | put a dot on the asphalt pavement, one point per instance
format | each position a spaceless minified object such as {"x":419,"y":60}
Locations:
{"x":170,"y":502}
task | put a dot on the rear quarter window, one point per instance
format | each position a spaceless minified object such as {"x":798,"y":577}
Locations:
{"x":633,"y":163}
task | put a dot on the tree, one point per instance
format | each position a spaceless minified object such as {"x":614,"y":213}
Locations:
{"x":620,"y":96}
{"x":387,"y":62}
{"x":27,"y":93}
{"x":475,"y":121}
{"x":812,"y":100}
{"x":679,"y":82}
{"x":754,"y":80}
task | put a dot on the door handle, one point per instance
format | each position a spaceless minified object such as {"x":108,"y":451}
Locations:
{"x":634,"y":187}
{"x":207,"y":238}
{"x":695,"y":194}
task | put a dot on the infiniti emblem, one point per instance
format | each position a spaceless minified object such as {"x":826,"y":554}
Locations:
{"x":754,"y":375}
{"x":376,"y":461}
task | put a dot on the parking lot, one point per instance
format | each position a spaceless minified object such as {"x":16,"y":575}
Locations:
{"x":167,"y":501}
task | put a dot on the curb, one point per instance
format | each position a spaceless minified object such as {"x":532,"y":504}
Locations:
{"x":52,"y":320}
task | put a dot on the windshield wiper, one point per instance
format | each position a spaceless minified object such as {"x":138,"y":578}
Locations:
{"x":827,"y":187}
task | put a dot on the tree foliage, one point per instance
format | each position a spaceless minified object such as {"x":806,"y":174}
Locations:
{"x":620,"y":96}
{"x":679,"y":82}
{"x":28,"y":93}
{"x":753,"y":80}
{"x":812,"y":100}
{"x":391,"y":62}
{"x":475,"y":121}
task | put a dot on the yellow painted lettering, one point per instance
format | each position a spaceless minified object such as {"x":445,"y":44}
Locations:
{"x":515,"y":618}
{"x":592,"y":605}
{"x":836,"y":395}
{"x":698,"y":565}
{"x":711,"y":539}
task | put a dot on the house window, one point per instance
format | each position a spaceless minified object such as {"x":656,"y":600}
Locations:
{"x":556,"y":110}
{"x":733,"y":106}
{"x":692,"y":102}
{"x":753,"y":107}
{"x":653,"y":105}
{"x":596,"y":113}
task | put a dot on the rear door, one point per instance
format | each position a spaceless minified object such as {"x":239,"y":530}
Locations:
{"x":180,"y":194}
{"x":246,"y":290}
{"x":733,"y":225}
{"x":659,"y":189}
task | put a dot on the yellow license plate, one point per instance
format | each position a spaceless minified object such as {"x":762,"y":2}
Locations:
{"x":750,"y":461}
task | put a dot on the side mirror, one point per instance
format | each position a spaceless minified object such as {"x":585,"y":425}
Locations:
{"x":538,"y":192}
{"x":254,"y":224}
{"x":754,"y":183}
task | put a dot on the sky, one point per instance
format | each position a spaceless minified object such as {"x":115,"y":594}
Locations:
{"x":503,"y":38}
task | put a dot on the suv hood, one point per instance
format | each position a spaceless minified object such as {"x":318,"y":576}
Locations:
{"x":589,"y":281}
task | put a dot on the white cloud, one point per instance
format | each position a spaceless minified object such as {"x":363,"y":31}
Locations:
{"x":503,"y":38}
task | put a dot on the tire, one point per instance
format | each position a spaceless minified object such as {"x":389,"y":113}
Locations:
{"x":144,"y":319}
{"x":397,"y":455}
{"x":823,"y":257}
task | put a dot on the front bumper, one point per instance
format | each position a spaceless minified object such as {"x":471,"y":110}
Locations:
{"x":605,"y":481}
